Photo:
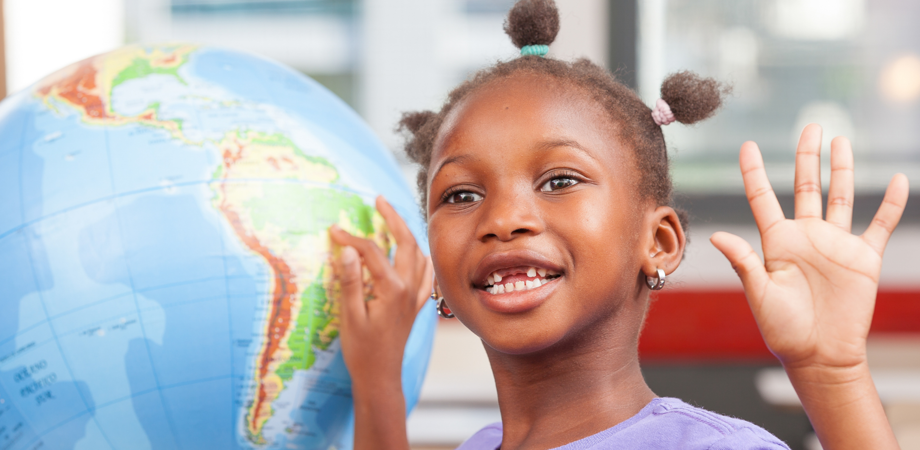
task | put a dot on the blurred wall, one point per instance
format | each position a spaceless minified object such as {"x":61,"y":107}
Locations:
{"x":42,"y":36}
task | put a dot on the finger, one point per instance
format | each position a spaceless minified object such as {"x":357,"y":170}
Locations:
{"x":889,"y":214}
{"x":374,"y":258}
{"x":840,"y":195}
{"x":348,"y":271}
{"x":808,"y":174}
{"x":406,"y":248}
{"x":394,"y":222}
{"x":424,"y":289}
{"x":745,"y":262}
{"x":760,"y":195}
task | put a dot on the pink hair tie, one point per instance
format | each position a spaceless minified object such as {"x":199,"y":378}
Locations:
{"x":662,"y":113}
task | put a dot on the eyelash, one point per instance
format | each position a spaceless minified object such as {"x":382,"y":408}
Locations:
{"x":454,"y":191}
{"x":555,"y":175}
{"x":562,"y":174}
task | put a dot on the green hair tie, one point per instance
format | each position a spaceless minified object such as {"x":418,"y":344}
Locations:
{"x":536,"y":50}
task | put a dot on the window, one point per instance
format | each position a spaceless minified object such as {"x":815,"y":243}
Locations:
{"x":852,"y":66}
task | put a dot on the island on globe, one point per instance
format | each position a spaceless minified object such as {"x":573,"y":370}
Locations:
{"x":164,"y":257}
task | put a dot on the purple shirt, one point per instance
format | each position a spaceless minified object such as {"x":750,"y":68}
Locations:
{"x":665,"y":423}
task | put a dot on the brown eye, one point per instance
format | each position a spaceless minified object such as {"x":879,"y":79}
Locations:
{"x":463,"y":197}
{"x":558,"y":183}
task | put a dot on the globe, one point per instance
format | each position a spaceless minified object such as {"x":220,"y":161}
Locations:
{"x":164,"y":257}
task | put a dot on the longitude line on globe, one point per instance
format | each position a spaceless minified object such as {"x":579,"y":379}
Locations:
{"x":223,"y":258}
{"x":41,"y":297}
{"x":57,"y":342}
{"x":137,"y":307}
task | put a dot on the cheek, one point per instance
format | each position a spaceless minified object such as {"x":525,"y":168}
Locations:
{"x":605,"y":232}
{"x":445,"y":252}
{"x":603,"y":218}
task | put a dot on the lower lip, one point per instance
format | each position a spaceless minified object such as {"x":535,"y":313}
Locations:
{"x":518,"y":301}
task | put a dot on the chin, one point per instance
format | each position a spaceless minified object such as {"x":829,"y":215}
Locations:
{"x":522,"y":339}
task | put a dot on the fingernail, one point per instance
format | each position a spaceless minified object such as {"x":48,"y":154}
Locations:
{"x":335,"y":227}
{"x":349,"y":255}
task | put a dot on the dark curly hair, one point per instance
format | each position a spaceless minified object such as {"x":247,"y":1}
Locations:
{"x":536,"y":22}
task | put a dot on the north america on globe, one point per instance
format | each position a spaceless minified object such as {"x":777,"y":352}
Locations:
{"x":163,"y":220}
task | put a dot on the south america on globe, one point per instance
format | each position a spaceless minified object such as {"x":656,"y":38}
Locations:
{"x":164,"y":258}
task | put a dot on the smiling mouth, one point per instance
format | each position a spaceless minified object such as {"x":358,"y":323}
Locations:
{"x":506,"y":281}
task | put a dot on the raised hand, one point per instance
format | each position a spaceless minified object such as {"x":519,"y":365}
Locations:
{"x":814,"y":293}
{"x":374,"y":329}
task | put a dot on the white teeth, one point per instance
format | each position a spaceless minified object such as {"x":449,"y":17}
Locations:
{"x":496,"y":287}
{"x":532,"y":272}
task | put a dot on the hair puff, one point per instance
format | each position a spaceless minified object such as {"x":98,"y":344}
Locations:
{"x":533,"y":22}
{"x":691,"y":97}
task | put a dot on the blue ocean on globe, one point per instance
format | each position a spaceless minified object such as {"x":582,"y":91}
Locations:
{"x":164,"y":259}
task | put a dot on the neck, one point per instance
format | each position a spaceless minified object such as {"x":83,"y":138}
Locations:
{"x":571,"y":391}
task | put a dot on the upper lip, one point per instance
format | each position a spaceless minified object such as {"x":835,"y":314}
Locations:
{"x":509,"y":259}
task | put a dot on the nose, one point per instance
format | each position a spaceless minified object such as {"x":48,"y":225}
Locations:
{"x":510,"y":214}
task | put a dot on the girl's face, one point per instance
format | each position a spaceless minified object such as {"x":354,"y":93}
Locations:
{"x":528,"y":184}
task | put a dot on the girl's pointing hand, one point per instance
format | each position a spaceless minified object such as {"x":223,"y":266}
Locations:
{"x":373,"y":332}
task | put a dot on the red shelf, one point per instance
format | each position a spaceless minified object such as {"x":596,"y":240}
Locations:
{"x":718,"y":325}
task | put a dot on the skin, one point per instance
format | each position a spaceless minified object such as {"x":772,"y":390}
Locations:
{"x":575,"y":350}
{"x":528,"y":171}
{"x":401,"y":288}
{"x":814,"y":294}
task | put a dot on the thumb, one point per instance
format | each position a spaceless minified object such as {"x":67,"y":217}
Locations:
{"x":745,"y":262}
{"x":351,"y":286}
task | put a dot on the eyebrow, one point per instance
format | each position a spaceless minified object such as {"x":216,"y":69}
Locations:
{"x":543,"y":146}
{"x":548,"y":145}
{"x":451,"y":160}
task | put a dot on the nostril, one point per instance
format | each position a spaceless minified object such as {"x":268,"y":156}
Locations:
{"x":520,"y":231}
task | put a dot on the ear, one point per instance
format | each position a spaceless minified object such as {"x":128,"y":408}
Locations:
{"x":435,"y":288}
{"x":665,"y":242}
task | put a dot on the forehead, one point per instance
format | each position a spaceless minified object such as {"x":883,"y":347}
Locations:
{"x":526,"y":107}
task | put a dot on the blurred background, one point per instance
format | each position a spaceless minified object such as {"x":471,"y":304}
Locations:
{"x":852,"y":66}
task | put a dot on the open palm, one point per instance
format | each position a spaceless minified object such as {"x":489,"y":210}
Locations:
{"x":814,"y":294}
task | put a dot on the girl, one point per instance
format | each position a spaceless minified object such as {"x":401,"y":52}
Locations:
{"x":546,"y":189}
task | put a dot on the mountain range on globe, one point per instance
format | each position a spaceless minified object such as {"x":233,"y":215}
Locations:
{"x":164,"y":257}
